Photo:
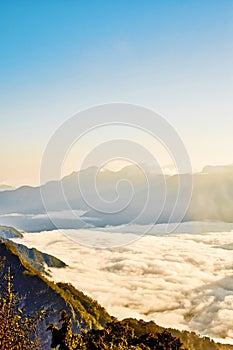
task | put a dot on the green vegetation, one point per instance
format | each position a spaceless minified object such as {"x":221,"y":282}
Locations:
{"x":32,"y":256}
{"x":7,"y":232}
{"x":131,"y":334}
{"x":86,"y":312}
{"x":116,"y":335}
{"x":91,"y":314}
{"x":191,"y":339}
{"x":17,"y":330}
{"x":37,"y":259}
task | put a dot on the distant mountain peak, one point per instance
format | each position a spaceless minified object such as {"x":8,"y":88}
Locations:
{"x":217,"y":169}
{"x":4,"y":187}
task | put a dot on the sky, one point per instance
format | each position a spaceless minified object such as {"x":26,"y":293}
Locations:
{"x":60,"y":57}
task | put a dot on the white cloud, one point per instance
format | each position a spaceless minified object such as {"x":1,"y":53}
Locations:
{"x":178,"y":280}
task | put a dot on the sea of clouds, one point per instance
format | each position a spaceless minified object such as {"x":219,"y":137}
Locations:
{"x":183,"y":279}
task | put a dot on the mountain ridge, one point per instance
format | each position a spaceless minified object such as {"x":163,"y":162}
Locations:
{"x":211,"y":200}
{"x":37,"y":292}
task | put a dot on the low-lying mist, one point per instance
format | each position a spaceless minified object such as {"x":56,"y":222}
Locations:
{"x":182,"y":280}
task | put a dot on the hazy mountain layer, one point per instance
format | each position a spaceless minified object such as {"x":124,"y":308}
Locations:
{"x":212,"y":199}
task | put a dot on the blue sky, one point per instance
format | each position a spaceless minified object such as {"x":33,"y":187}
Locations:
{"x":58,"y":57}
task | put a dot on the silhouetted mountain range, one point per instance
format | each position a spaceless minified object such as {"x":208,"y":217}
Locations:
{"x":212,"y":199}
{"x":6,"y":188}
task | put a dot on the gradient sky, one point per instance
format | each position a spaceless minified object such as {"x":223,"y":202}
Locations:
{"x":59,"y":57}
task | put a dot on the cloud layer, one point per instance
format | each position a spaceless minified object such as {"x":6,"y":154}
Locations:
{"x":178,"y":280}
